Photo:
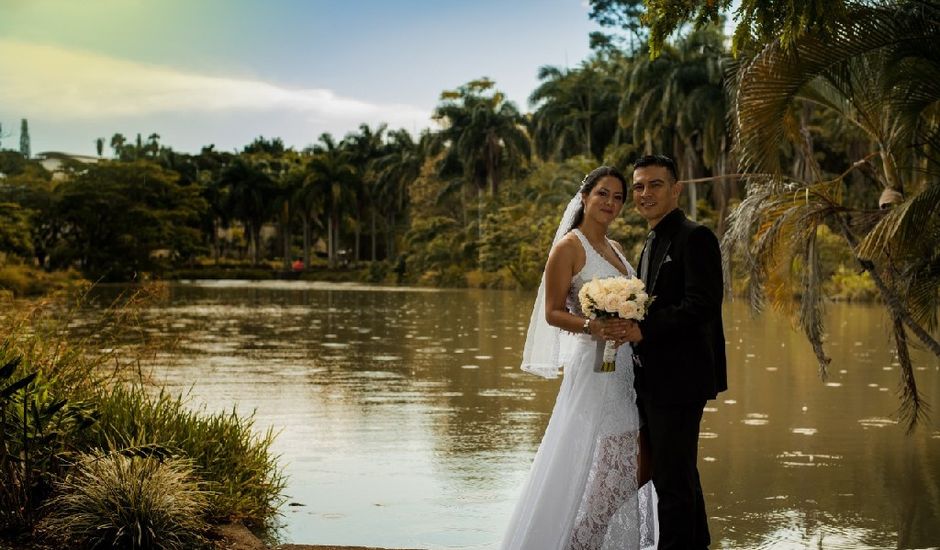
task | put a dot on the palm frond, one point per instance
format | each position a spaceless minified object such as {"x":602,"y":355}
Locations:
{"x":902,"y":224}
{"x":913,"y":408}
{"x":773,"y":78}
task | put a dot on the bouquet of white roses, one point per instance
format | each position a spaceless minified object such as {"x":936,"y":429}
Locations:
{"x":610,"y":298}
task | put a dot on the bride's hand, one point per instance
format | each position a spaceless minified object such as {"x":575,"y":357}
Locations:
{"x":614,"y":330}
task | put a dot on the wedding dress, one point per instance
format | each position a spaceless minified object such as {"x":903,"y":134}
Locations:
{"x":582,"y":490}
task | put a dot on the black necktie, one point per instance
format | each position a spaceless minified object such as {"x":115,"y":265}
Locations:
{"x":645,"y":257}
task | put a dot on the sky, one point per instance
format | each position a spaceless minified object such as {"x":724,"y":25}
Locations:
{"x":223,"y":72}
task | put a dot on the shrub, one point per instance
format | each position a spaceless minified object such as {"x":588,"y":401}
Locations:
{"x":38,"y":428}
{"x":81,"y":395}
{"x":132,"y":502}
{"x":23,"y":280}
{"x":852,"y":286}
{"x":240,"y":474}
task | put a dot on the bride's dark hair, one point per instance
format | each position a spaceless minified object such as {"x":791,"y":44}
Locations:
{"x":588,"y":183}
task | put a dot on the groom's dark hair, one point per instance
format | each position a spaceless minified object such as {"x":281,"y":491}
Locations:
{"x":658,"y":160}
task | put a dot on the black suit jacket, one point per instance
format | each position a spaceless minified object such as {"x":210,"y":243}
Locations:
{"x":682,"y":354}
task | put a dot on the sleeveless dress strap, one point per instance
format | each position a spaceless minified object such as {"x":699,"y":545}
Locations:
{"x":630,"y":270}
{"x":585,"y":244}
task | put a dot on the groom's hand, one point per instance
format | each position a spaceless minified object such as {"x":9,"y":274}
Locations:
{"x":633,"y":332}
{"x":614,"y":330}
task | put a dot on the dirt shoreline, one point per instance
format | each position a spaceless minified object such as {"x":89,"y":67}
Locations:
{"x":235,"y":536}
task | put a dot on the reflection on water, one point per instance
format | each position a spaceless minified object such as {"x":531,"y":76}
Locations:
{"x":405,"y":422}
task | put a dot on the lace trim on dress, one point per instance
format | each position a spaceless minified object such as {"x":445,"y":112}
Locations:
{"x":607,"y":516}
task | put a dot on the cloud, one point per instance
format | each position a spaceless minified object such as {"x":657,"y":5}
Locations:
{"x":67,"y":84}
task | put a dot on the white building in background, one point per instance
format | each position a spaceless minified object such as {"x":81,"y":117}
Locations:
{"x":54,"y":161}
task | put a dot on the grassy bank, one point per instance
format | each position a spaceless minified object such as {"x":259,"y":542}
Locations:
{"x":25,"y":281}
{"x":93,"y":454}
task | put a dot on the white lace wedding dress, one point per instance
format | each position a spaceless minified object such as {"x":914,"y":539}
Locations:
{"x":582,"y":490}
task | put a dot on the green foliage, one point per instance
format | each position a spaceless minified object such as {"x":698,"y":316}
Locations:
{"x":119,"y":215}
{"x":852,"y":286}
{"x":131,"y":502}
{"x":483,"y":136}
{"x":22,"y":280}
{"x":758,"y":21}
{"x":440,"y":250}
{"x":876,"y":74}
{"x":15,"y":236}
{"x":38,"y":426}
{"x":234,"y":464}
{"x":576,"y":110}
{"x":60,"y":396}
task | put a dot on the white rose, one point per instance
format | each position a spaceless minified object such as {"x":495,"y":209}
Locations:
{"x":629,"y":310}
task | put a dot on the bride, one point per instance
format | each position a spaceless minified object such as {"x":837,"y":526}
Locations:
{"x":582,"y":491}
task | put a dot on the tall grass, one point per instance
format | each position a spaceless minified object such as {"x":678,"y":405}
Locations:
{"x":63,"y":396}
{"x":132,"y":502}
{"x":235,"y":464}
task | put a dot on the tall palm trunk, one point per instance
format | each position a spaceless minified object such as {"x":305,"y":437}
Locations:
{"x":285,"y":233}
{"x":373,"y":234}
{"x":356,"y":242}
{"x":256,"y":242}
{"x":492,"y":163}
{"x":216,"y":245}
{"x":334,"y":240}
{"x":390,"y":236}
{"x":330,"y":245}
{"x":306,"y":224}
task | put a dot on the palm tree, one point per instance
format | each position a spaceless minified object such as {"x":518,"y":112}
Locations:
{"x":118,"y":142}
{"x":395,"y":171}
{"x":250,"y":194}
{"x":881,"y":74}
{"x":677,"y":103}
{"x":287,"y":172}
{"x":576,"y":110}
{"x":364,"y":148}
{"x":483,"y":132}
{"x":309,"y":202}
{"x":333,"y":175}
{"x":153,"y":144}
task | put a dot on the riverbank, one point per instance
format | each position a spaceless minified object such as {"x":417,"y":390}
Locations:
{"x":237,"y":537}
{"x":844,"y":285}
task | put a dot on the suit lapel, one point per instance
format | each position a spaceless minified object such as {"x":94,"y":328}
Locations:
{"x":657,"y":260}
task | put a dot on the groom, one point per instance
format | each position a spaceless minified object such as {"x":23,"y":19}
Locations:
{"x":680,"y":347}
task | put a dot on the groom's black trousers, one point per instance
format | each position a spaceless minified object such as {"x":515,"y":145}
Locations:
{"x":672,"y":432}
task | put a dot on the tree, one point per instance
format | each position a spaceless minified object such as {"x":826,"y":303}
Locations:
{"x":331,"y":176}
{"x":118,"y":216}
{"x":758,"y":21}
{"x":396,"y":170}
{"x":483,"y":132}
{"x":34,"y":191}
{"x":250,"y":193}
{"x":15,"y":237}
{"x":879,"y":73}
{"x":118,"y":142}
{"x":3,"y":135}
{"x":677,"y":103}
{"x":625,"y":15}
{"x":153,"y":144}
{"x":576,"y":111}
{"x":364,"y":147}
{"x":209,"y":166}
{"x":99,"y":146}
{"x":24,"y":139}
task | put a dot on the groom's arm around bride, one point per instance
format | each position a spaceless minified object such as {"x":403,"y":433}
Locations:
{"x":680,"y":347}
